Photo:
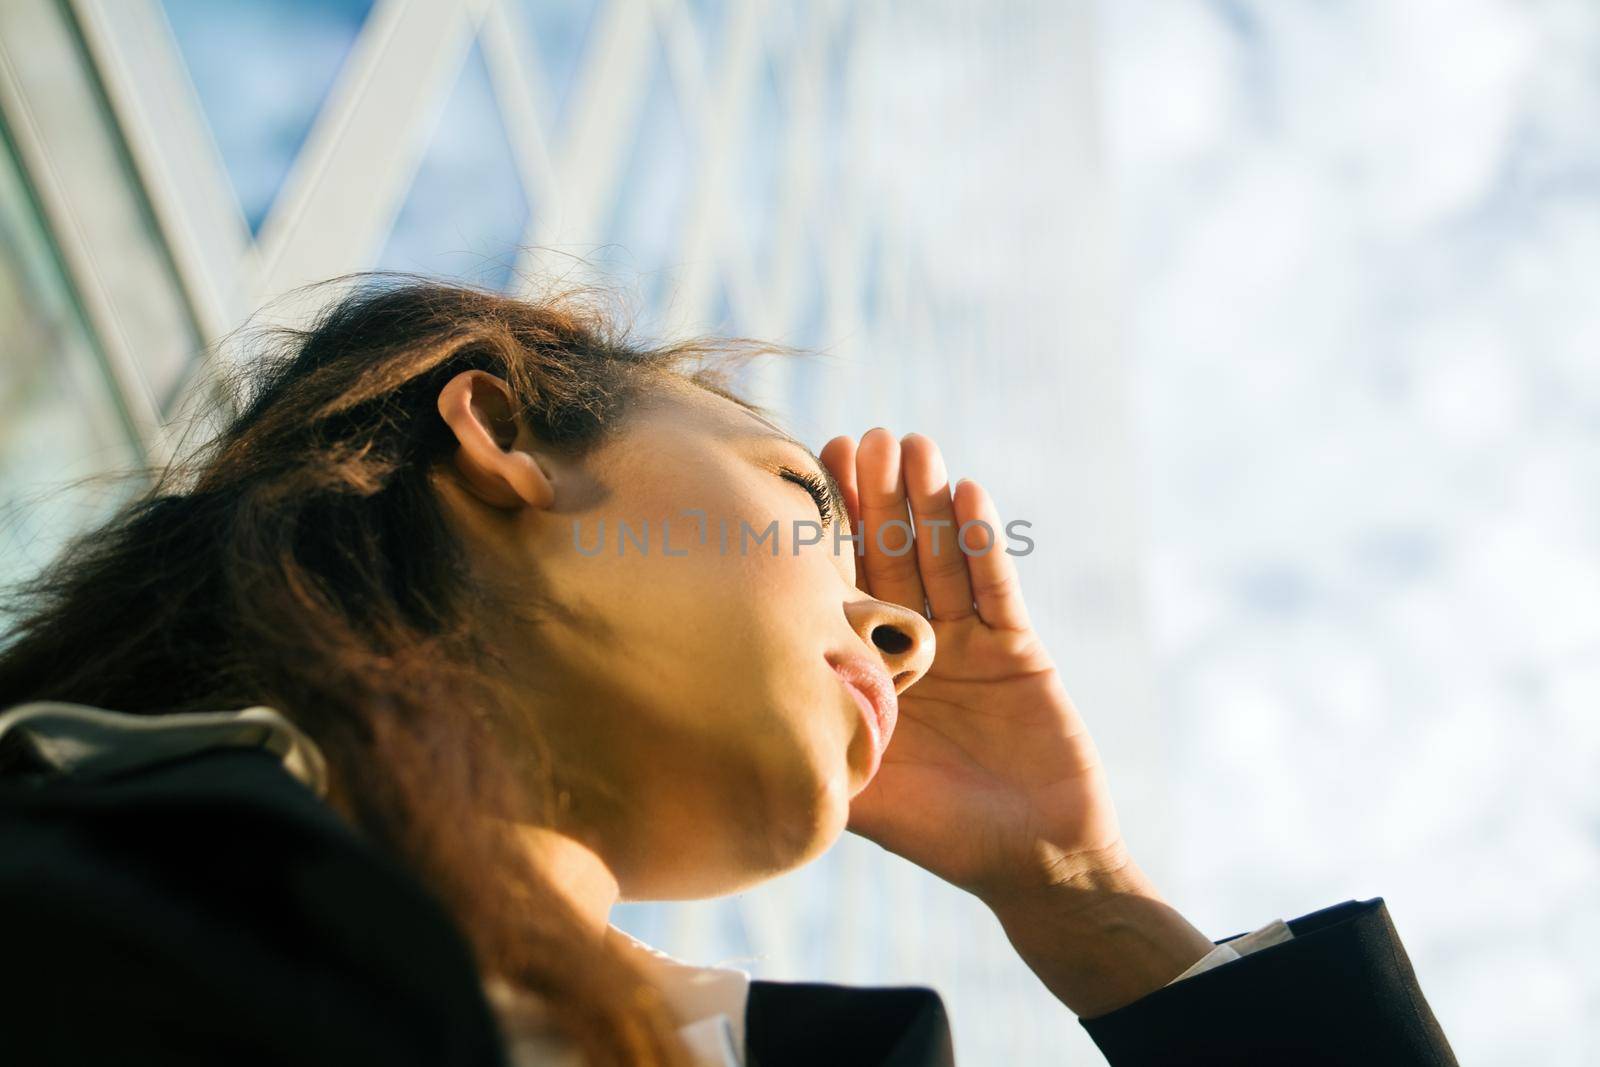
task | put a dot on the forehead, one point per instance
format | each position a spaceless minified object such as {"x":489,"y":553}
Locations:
{"x":682,"y":406}
{"x":684,"y":417}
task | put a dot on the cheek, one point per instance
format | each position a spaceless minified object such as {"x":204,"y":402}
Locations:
{"x":715,"y":649}
{"x":758,"y":714}
{"x":720,"y":641}
{"x":798,"y":725}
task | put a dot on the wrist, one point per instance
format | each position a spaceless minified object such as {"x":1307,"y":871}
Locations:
{"x":1101,"y":938}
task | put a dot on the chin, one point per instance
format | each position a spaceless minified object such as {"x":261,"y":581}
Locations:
{"x":746,"y":844}
{"x":809,"y":824}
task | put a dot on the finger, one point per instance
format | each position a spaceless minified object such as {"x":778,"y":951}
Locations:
{"x":939,"y":558}
{"x":890,"y":559}
{"x":990,"y":568}
{"x":839,"y":456}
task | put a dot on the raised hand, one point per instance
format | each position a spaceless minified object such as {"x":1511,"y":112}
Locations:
{"x":991,"y":779}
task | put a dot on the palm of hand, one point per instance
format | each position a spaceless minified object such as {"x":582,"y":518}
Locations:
{"x":991,"y":779}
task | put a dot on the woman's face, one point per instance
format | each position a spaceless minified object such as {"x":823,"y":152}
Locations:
{"x":717,"y":687}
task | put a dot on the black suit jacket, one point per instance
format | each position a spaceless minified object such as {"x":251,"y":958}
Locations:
{"x":211,"y":910}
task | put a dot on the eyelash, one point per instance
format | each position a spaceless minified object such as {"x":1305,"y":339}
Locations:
{"x":813,"y":484}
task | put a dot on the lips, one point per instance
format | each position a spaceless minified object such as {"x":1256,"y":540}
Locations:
{"x":874,"y":693}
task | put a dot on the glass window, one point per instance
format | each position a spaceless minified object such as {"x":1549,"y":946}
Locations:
{"x":262,"y":71}
{"x":646,"y":225}
{"x":59,"y":416}
{"x":467,"y":212}
{"x":560,"y":30}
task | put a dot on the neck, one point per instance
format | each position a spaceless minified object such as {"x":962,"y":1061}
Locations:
{"x":577,"y":872}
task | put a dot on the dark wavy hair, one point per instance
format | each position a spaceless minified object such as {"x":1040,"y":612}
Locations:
{"x":301,"y":559}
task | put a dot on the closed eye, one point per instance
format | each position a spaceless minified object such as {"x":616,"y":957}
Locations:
{"x":813,"y":484}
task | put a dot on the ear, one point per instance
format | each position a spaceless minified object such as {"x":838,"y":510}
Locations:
{"x":476,"y":406}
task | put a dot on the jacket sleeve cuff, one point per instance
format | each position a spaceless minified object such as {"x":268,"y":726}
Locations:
{"x":1340,"y":989}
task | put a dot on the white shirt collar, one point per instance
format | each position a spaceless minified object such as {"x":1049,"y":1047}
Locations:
{"x":89,"y":742}
{"x":708,"y":1002}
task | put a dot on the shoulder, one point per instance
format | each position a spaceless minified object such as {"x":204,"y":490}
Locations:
{"x":213,"y":906}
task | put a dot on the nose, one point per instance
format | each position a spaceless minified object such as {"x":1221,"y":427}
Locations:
{"x":902,"y":638}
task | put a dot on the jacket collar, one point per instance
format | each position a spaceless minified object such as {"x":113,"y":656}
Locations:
{"x":46,"y":739}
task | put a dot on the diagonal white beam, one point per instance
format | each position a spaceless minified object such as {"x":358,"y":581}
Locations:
{"x":184,"y":177}
{"x":801,"y":147}
{"x":604,"y":115}
{"x":71,"y":154}
{"x":348,"y":183}
{"x":527,"y":112}
{"x":717,"y":113}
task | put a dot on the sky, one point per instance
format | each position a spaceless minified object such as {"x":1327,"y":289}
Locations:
{"x":1358,"y":247}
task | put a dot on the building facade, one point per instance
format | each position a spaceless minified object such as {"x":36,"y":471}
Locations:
{"x":911,"y":192}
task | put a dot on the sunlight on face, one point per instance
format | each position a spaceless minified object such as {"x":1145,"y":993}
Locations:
{"x":689,"y":676}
